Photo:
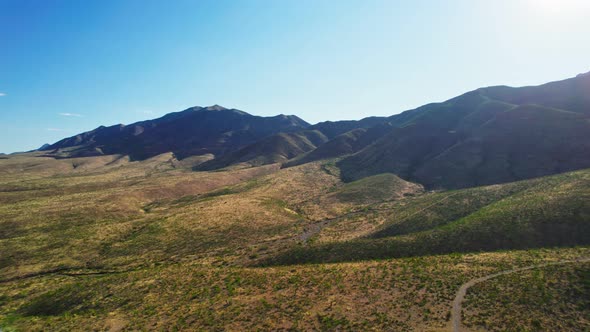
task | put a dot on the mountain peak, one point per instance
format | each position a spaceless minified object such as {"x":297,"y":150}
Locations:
{"x":215,"y":108}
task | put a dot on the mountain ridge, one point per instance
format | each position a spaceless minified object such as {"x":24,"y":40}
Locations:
{"x":421,"y":146}
{"x":193,"y":131}
{"x":450,"y":144}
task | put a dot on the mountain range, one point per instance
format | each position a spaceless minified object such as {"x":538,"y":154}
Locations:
{"x":486,"y":136}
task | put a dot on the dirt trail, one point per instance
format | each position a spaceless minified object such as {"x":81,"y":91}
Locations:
{"x":315,"y":228}
{"x":64,"y":271}
{"x":460,"y":295}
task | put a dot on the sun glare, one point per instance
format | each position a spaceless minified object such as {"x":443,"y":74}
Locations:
{"x":557,"y":7}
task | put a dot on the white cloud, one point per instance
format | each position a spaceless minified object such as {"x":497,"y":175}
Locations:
{"x":71,"y":114}
{"x":2,"y":94}
{"x":54,"y":129}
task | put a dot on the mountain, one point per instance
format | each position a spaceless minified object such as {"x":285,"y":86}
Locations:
{"x":274,"y":149}
{"x":490,"y":135}
{"x":194,"y":131}
{"x":324,"y":140}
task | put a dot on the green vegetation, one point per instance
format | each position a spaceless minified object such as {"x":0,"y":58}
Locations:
{"x":376,"y":189}
{"x":552,"y":211}
{"x":553,"y":298}
{"x":409,"y":293}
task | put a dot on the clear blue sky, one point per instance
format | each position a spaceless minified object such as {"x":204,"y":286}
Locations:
{"x":70,"y":66}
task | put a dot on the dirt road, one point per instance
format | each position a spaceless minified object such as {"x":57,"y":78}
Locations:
{"x":460,"y":295}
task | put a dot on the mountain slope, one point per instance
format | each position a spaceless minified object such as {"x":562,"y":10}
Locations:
{"x":334,"y":128}
{"x":274,"y":149}
{"x":544,"y":212}
{"x":527,"y":142}
{"x":195,"y":131}
{"x":475,"y":139}
{"x":571,"y":94}
{"x":343,"y":144}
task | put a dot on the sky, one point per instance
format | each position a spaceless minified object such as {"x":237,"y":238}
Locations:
{"x":69,"y":66}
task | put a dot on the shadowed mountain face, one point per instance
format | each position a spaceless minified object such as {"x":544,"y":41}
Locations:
{"x":273,"y":149}
{"x":195,"y":131}
{"x":344,"y":144}
{"x":335,"y":128}
{"x":490,"y":135}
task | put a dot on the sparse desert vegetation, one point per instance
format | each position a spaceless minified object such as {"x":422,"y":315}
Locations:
{"x":154,"y":245}
{"x":551,"y":298}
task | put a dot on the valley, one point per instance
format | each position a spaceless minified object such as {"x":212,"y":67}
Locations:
{"x":154,"y":245}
